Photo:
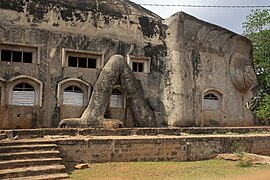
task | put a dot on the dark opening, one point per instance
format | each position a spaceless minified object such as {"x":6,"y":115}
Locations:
{"x":82,"y":62}
{"x":137,"y":67}
{"x":5,"y":55}
{"x":17,"y":56}
{"x":73,"y":89}
{"x":116,"y":92}
{"x":27,"y":57}
{"x":72,"y":61}
{"x":140,"y":67}
{"x":211,"y":97}
{"x":23,"y":87}
{"x":92,"y":63}
{"x":134,"y":67}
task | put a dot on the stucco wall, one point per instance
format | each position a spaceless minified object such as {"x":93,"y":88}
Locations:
{"x":50,"y":70}
{"x":188,"y":57}
{"x":203,"y":59}
{"x":124,"y":149}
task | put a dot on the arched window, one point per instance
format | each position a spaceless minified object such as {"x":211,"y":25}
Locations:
{"x":23,"y":94}
{"x":73,"y":96}
{"x":117,"y":99}
{"x":211,"y":101}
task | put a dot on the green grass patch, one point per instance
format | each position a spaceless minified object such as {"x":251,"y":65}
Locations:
{"x":211,"y":169}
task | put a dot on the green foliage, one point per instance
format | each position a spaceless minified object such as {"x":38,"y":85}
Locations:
{"x":257,"y":29}
{"x":245,"y":163}
{"x":234,"y":147}
{"x":263,"y":109}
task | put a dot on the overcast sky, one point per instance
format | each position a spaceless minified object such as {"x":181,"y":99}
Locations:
{"x":229,"y":18}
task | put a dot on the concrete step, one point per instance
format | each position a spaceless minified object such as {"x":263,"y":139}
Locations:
{"x":57,"y":176}
{"x":32,"y":171}
{"x":27,"y":147}
{"x":2,"y":136}
{"x":29,"y":154}
{"x":30,"y":159}
{"x":28,"y":162}
{"x":23,"y":141}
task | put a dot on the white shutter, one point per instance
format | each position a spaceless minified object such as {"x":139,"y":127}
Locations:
{"x":210,"y":104}
{"x":73,"y":98}
{"x":116,"y":101}
{"x":23,"y":98}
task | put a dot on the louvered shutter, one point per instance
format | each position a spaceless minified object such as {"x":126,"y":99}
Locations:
{"x":211,"y":104}
{"x":116,"y":101}
{"x":73,"y":98}
{"x":23,"y":98}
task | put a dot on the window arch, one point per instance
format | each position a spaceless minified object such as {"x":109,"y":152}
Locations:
{"x":73,"y":92}
{"x":23,"y":94}
{"x":24,"y":91}
{"x":73,"y":96}
{"x":212,"y":100}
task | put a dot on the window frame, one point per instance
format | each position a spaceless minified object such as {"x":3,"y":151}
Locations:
{"x":35,"y":83}
{"x":18,"y":47}
{"x":66,"y":53}
{"x":75,"y":90}
{"x":218,"y":97}
{"x":85,"y":87}
{"x":145,"y":60}
{"x":23,"y":90}
{"x":120,"y":93}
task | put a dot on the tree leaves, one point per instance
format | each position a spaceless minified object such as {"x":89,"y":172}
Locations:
{"x":257,"y":29}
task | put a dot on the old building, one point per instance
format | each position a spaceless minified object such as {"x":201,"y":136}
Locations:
{"x":190,"y":72}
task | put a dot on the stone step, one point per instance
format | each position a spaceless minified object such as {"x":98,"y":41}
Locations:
{"x":28,"y":142}
{"x":2,"y":136}
{"x":28,"y":162}
{"x":57,"y":176}
{"x":27,"y":147}
{"x":32,"y":171}
{"x":29,"y":154}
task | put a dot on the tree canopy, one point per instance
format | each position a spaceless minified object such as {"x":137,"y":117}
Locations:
{"x":257,"y":29}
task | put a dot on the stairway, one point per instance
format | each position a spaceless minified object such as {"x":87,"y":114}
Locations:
{"x":30,"y":159}
{"x":2,"y":135}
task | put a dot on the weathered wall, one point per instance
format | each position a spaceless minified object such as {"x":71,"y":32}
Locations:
{"x":188,"y":58}
{"x":20,"y":117}
{"x":97,"y":18}
{"x":105,"y":149}
{"x":88,"y":26}
{"x":50,"y":71}
{"x":203,"y":58}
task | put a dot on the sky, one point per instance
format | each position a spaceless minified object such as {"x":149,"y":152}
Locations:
{"x":229,"y":18}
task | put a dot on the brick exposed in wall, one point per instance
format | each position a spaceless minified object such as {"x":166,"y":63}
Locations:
{"x":167,"y":148}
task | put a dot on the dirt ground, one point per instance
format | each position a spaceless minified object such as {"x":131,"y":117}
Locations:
{"x":201,"y":170}
{"x":256,"y":176}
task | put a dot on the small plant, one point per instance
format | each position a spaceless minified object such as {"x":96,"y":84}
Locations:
{"x":245,"y":163}
{"x":239,"y":154}
{"x":234,"y":147}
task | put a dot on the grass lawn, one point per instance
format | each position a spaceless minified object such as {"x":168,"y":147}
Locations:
{"x":211,"y":169}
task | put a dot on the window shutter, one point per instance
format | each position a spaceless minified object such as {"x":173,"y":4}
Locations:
{"x":73,"y":98}
{"x":23,"y":98}
{"x":116,"y":101}
{"x":211,"y":104}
